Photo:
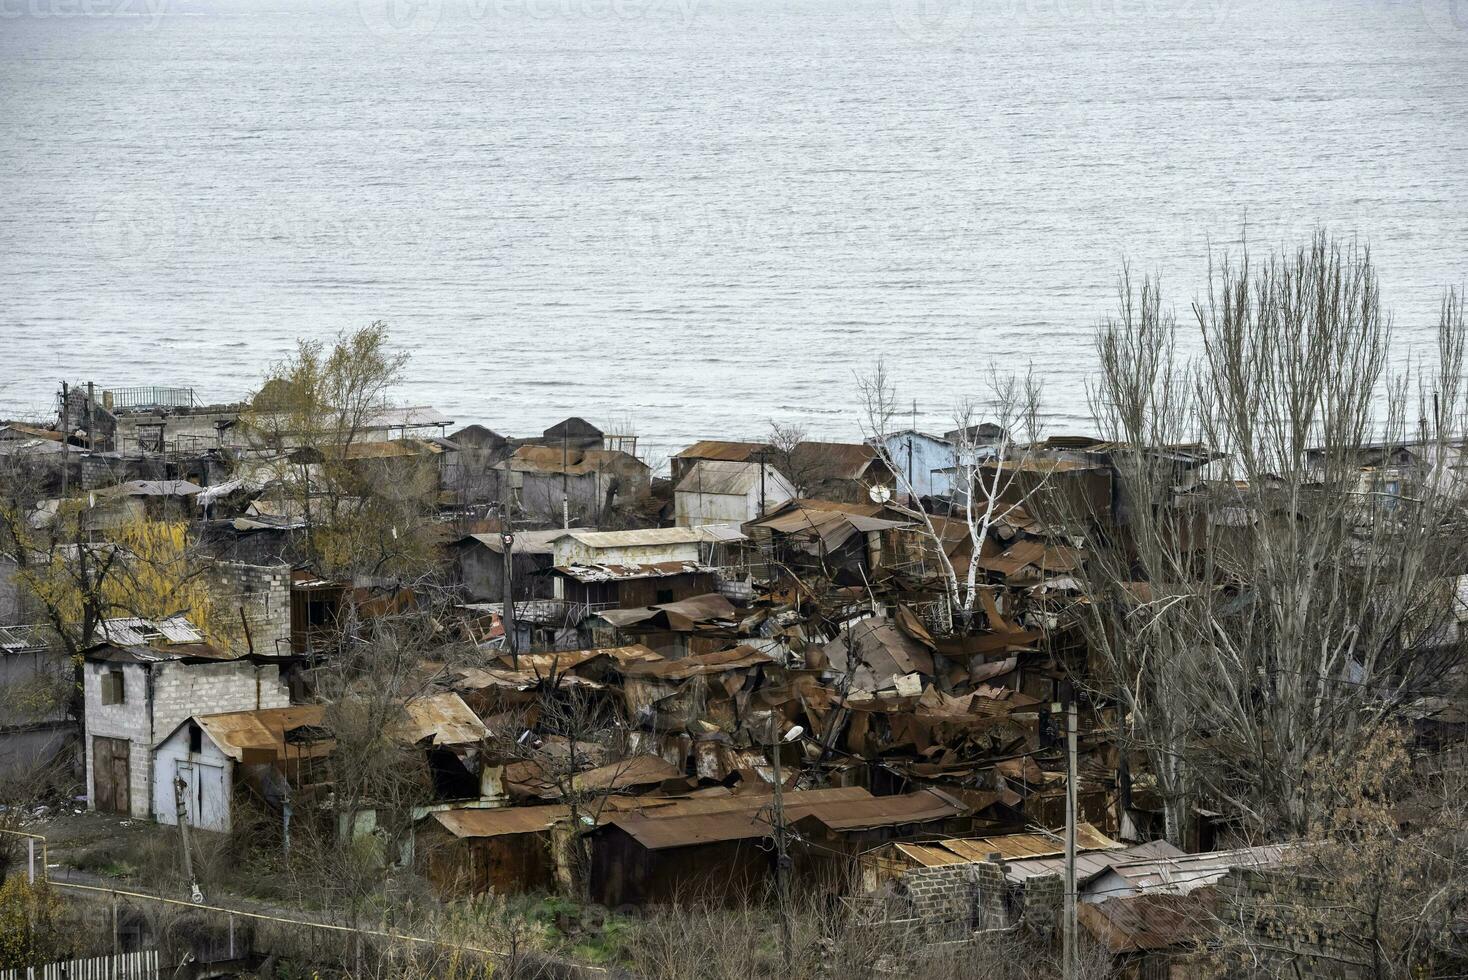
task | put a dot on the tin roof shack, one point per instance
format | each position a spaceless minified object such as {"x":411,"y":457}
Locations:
{"x":699,"y":624}
{"x":35,"y":691}
{"x":501,"y":851}
{"x":848,"y":542}
{"x":715,"y":848}
{"x":927,"y":461}
{"x":479,"y":564}
{"x":154,"y":500}
{"x":715,"y":450}
{"x":593,"y":481}
{"x":278,"y":752}
{"x":284,"y":752}
{"x":842,"y":471}
{"x":136,"y":694}
{"x":622,"y":586}
{"x":722,"y":492}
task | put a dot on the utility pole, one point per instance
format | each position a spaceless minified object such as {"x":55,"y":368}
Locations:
{"x":1070,"y":838}
{"x":782,"y":858}
{"x":565,"y":485}
{"x":762,"y":483}
{"x":507,"y":544}
{"x":65,"y":436}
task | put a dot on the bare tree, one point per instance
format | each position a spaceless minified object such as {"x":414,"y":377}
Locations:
{"x":997,"y":466}
{"x":1258,"y":626}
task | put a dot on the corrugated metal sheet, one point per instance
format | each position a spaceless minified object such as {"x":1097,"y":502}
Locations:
{"x":722,"y":477}
{"x":833,"y":460}
{"x":1088,"y":864}
{"x":589,"y":573}
{"x":547,"y":459}
{"x":701,"y":663}
{"x":17,"y":639}
{"x":744,"y":817}
{"x":653,"y":536}
{"x":262,"y":732}
{"x":1145,"y":923}
{"x":133,"y":631}
{"x":1012,"y":847}
{"x":502,"y":821}
{"x":735,"y":452}
{"x":444,"y":718}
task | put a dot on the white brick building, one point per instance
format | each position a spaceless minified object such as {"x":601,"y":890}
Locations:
{"x":137,"y":695}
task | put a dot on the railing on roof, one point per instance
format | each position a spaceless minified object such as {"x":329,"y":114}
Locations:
{"x":148,"y":396}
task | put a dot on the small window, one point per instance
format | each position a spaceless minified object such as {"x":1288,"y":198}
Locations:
{"x":664,"y":595}
{"x":114,"y":691}
{"x":196,"y":739}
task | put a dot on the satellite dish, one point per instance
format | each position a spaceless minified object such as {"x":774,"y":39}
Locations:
{"x":880,"y":494}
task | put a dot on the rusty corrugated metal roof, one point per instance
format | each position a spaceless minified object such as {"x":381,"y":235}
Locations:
{"x":735,"y":452}
{"x":743,"y":817}
{"x":1012,"y":847}
{"x":699,"y":663}
{"x":262,"y":732}
{"x":1144,"y":923}
{"x":444,"y":718}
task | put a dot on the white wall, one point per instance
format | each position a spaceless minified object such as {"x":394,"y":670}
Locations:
{"x":209,"y":775}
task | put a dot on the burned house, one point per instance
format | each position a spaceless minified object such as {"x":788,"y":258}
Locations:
{"x":589,"y":482}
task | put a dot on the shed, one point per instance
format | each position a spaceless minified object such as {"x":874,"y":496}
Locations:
{"x":480,"y":561}
{"x":712,"y":847}
{"x":723,"y":491}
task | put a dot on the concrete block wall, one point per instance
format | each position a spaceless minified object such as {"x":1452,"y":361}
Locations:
{"x":1042,"y":899}
{"x":942,"y":895}
{"x":130,"y":720}
{"x":181,"y":690}
{"x":1292,"y":923}
{"x":264,"y":592}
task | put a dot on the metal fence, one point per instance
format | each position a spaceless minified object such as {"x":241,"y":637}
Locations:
{"x":142,"y":965}
{"x":147,"y":396}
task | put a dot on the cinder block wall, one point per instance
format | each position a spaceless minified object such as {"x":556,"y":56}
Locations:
{"x":1043,"y":901}
{"x":177,"y":691}
{"x":1290,"y":923}
{"x":264,"y":592}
